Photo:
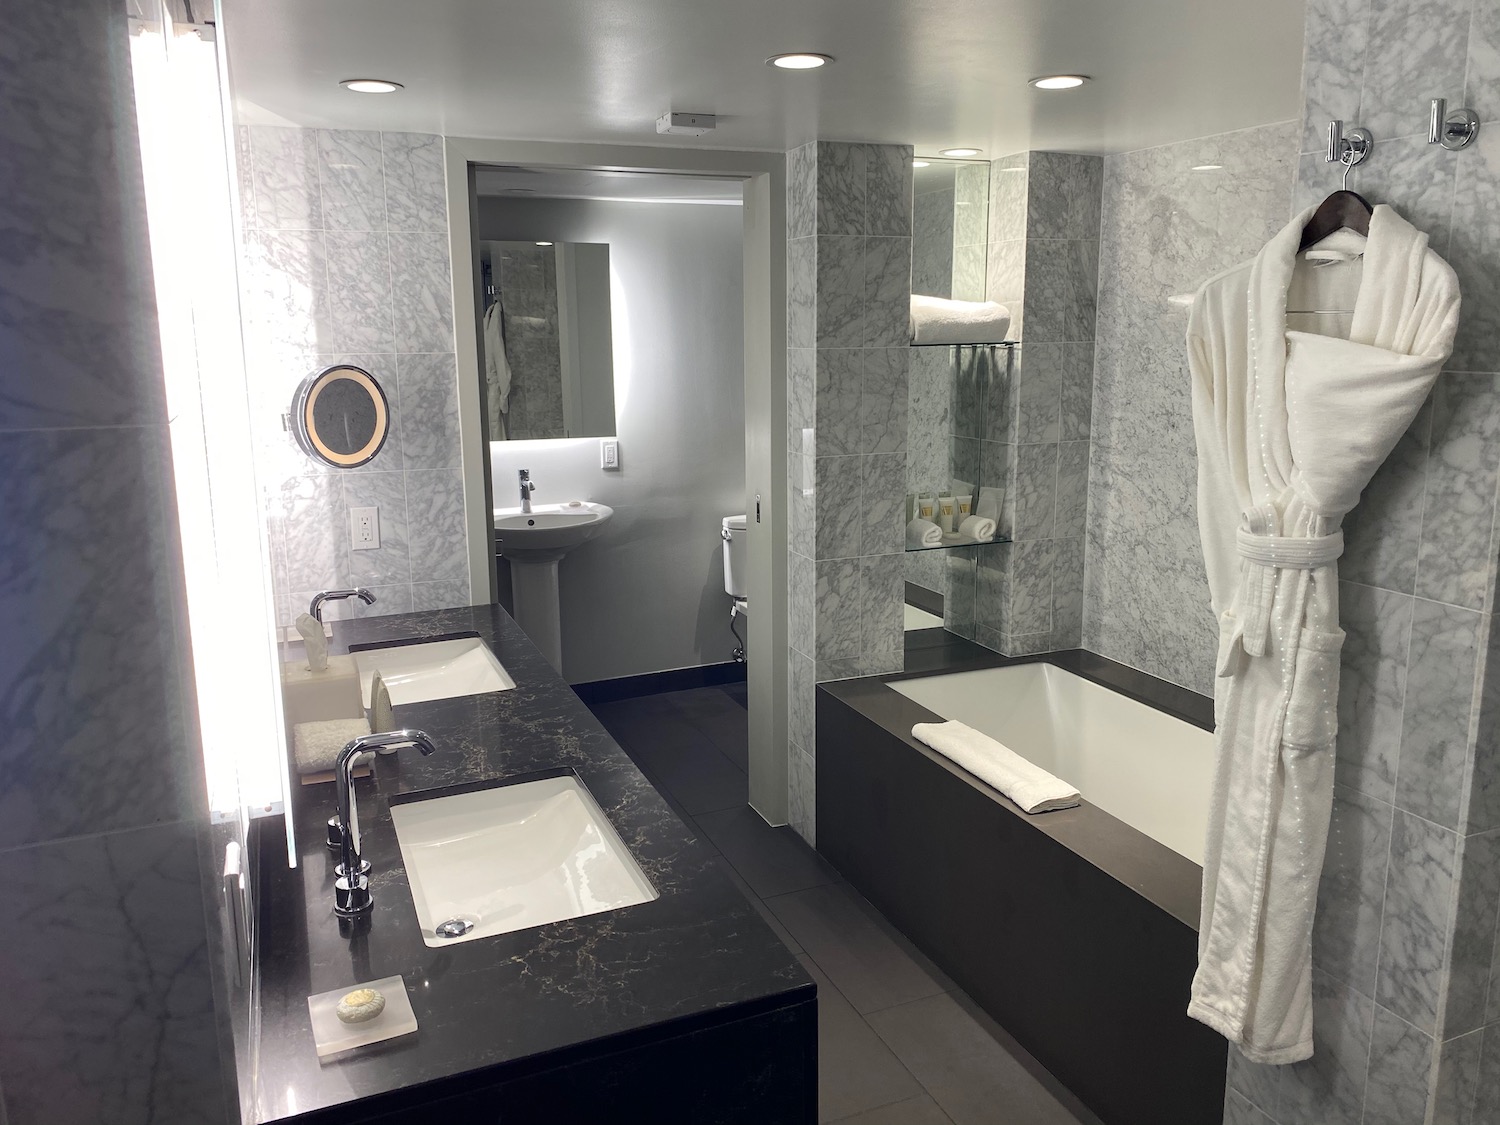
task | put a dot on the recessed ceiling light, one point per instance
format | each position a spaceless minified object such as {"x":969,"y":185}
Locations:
{"x":799,"y":60}
{"x":921,"y":163}
{"x":544,"y":244}
{"x":371,"y":85}
{"x":1059,"y":81}
{"x":1207,"y":167}
{"x":959,"y":151}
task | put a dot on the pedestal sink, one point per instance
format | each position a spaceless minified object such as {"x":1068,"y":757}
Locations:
{"x":534,"y":543}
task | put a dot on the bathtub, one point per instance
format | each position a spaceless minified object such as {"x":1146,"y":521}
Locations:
{"x":1076,"y":930}
{"x":1139,"y":764}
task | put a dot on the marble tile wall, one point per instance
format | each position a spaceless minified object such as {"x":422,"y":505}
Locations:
{"x":105,"y":965}
{"x":346,"y":260}
{"x":849,"y":224}
{"x":1405,"y":944}
{"x":1165,"y":228}
{"x":1031,"y":433}
{"x":932,"y":242}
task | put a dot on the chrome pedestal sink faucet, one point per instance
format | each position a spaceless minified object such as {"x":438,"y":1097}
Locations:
{"x":351,"y":887}
{"x":315,"y":607}
{"x":527,"y":488}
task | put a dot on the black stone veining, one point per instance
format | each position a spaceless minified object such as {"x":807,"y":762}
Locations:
{"x":501,"y":1008}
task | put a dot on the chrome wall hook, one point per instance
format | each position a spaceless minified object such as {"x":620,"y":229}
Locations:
{"x":1348,"y":148}
{"x":1451,"y":130}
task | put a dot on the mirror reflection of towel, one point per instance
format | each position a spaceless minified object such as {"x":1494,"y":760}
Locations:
{"x":496,"y":370}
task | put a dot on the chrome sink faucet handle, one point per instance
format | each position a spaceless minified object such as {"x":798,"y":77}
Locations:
{"x":315,"y":607}
{"x":527,"y":488}
{"x":351,"y":888}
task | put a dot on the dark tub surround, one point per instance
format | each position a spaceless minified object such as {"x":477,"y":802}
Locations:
{"x":1073,"y":930}
{"x":686,"y":1008}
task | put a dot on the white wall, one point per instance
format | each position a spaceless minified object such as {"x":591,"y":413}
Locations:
{"x":648,"y":595}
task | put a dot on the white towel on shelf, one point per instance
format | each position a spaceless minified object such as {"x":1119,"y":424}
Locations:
{"x":981,"y":529}
{"x":1025,"y":783}
{"x":937,"y":320}
{"x":923,"y":533}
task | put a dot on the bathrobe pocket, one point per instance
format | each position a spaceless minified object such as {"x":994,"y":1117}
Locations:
{"x":1312,"y":711}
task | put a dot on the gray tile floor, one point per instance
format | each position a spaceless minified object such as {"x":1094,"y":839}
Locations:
{"x":898,"y":1042}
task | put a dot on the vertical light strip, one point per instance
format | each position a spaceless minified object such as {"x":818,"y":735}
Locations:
{"x":186,"y":162}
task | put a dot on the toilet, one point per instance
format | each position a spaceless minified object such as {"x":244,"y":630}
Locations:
{"x":733,"y":530}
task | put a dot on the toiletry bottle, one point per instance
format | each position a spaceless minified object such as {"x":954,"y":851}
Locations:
{"x":926,"y":506}
{"x":945,"y":507}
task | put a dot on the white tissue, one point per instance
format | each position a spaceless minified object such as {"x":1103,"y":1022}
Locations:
{"x":311,"y":630}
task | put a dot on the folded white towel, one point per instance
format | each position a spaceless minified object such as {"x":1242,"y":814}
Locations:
{"x":923,"y":533}
{"x":981,"y":529}
{"x":989,"y":503}
{"x":316,"y":746}
{"x":1025,"y":783}
{"x":937,"y":320}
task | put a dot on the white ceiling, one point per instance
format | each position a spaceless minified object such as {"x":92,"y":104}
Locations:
{"x":934,"y":73}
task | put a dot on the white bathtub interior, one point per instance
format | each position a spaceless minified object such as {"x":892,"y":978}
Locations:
{"x":1140,"y":765}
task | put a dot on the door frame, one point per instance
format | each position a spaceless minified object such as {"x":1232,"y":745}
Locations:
{"x":763,"y":176}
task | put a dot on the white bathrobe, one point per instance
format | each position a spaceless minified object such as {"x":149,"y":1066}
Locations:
{"x":1290,"y":427}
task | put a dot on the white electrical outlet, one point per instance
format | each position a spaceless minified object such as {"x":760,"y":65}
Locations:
{"x":364,"y":528}
{"x":609,"y":454}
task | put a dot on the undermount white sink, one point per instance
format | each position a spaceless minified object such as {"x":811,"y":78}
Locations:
{"x":513,"y":856}
{"x":435,"y":670}
{"x":549,"y":527}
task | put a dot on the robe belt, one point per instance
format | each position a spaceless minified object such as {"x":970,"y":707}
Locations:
{"x":1266,"y":554}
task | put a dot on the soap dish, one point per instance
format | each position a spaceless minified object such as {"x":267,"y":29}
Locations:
{"x":333,"y":1036}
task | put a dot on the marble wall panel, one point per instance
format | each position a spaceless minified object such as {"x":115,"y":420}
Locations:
{"x":1414,"y":930}
{"x":348,"y":261}
{"x":109,"y":1010}
{"x":1164,"y":229}
{"x":851,"y":401}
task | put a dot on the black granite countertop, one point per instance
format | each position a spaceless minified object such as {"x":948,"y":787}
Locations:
{"x":515,"y":1002}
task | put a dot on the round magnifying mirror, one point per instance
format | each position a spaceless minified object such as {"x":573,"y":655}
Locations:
{"x":341,"y":417}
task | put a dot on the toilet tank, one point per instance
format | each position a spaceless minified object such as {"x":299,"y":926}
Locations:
{"x":736,"y":576}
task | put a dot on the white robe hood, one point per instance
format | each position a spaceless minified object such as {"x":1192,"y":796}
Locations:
{"x":1290,"y":428}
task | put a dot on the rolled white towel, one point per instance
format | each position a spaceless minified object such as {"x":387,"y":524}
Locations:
{"x":937,"y":320}
{"x":923,"y":533}
{"x":981,"y":529}
{"x":1027,"y":784}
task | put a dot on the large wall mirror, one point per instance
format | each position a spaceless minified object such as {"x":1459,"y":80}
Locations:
{"x":546,"y":347}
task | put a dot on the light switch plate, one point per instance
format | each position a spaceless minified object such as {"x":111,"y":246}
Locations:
{"x":609,"y":454}
{"x":364,"y":529}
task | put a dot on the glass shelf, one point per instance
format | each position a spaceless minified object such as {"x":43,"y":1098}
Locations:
{"x":985,"y":344}
{"x":958,"y":541}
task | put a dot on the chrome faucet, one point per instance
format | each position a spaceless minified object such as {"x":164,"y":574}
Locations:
{"x":351,"y":886}
{"x":527,"y":488}
{"x":315,"y":607}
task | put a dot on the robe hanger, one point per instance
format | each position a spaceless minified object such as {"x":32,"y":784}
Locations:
{"x":1344,"y":208}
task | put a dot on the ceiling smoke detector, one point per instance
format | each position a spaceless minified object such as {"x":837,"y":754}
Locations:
{"x":686,"y":124}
